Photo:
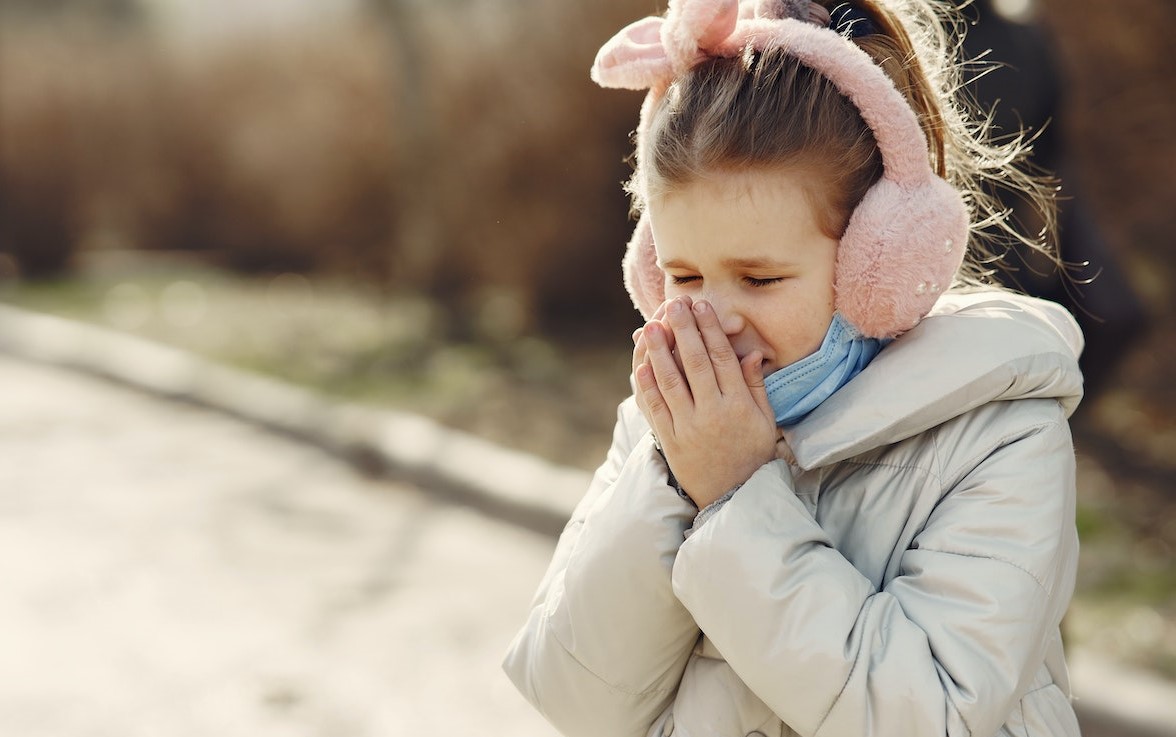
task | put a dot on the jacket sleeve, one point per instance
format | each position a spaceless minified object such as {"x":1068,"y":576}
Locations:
{"x":946,"y":648}
{"x":606,"y":641}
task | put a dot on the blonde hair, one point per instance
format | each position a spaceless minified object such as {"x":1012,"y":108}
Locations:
{"x":768,"y":110}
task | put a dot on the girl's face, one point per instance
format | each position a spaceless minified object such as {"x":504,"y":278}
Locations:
{"x":749,"y":244}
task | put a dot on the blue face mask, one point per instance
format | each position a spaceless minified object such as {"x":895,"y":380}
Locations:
{"x":800,"y":387}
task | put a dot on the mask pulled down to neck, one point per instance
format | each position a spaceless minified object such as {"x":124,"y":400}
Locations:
{"x":800,"y":387}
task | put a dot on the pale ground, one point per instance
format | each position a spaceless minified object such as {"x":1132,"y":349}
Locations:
{"x":169,"y":572}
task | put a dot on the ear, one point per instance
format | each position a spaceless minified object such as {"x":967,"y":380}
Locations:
{"x":634,"y":59}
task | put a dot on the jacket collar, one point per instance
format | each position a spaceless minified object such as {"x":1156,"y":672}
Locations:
{"x":973,"y":348}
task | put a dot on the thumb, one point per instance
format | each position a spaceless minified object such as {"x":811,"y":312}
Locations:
{"x":752,"y":366}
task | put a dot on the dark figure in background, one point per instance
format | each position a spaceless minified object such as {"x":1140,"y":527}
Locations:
{"x":1026,"y":90}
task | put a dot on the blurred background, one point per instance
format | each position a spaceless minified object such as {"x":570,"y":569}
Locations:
{"x":416,"y":204}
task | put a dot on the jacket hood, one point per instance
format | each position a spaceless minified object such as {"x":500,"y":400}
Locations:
{"x":971,"y":349}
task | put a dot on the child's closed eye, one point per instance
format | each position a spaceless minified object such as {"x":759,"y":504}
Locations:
{"x":754,"y":281}
{"x":680,"y":280}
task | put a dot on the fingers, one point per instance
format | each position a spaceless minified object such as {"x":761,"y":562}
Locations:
{"x":639,"y":349}
{"x":652,"y":403}
{"x":670,"y":381}
{"x":641,"y":357}
{"x":752,"y":367}
{"x":692,"y":353}
{"x":639,"y":360}
{"x":639,"y":345}
{"x":721,"y":356}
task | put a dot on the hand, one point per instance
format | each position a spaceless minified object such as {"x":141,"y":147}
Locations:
{"x":710,"y":410}
{"x":641,"y":355}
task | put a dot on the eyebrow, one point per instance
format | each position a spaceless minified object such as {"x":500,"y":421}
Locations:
{"x":734,"y":263}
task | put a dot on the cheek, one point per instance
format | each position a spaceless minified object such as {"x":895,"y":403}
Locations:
{"x":804,"y":321}
{"x":671,"y":289}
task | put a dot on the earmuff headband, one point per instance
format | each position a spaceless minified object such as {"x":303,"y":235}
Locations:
{"x":905,"y":240}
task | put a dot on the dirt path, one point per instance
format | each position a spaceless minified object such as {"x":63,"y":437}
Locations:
{"x":168,"y":571}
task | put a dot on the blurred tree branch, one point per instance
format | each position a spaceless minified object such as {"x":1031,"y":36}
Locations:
{"x":414,"y":182}
{"x":114,"y":10}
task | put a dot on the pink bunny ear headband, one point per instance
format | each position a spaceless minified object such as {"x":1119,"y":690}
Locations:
{"x":905,"y":240}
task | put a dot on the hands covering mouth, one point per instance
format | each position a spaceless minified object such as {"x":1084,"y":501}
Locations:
{"x":705,"y":402}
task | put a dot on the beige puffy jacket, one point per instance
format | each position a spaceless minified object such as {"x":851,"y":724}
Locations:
{"x":905,"y":573}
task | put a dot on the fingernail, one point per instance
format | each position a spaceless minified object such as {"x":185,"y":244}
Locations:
{"x":700,"y":307}
{"x":676,"y":307}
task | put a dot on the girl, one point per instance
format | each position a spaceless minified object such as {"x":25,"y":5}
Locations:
{"x":841,"y":500}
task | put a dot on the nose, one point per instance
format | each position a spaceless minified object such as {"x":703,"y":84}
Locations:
{"x":727,"y":309}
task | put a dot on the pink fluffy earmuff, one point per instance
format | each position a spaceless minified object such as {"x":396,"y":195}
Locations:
{"x":906,"y":238}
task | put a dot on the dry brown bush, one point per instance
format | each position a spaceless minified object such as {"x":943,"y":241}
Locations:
{"x":280,"y":153}
{"x":460,"y":150}
{"x":274,"y":154}
{"x":524,"y":158}
{"x":74,"y":133}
